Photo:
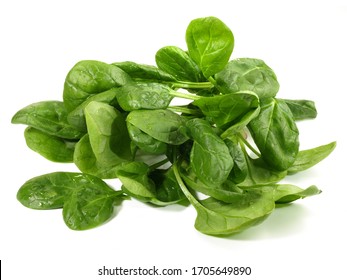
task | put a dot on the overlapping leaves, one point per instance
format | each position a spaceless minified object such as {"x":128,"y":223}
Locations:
{"x":233,"y":140}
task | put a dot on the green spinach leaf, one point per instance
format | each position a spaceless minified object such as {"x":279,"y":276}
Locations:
{"x":226,"y":109}
{"x":178,"y":63}
{"x":248,"y":74}
{"x":302,"y":109}
{"x":143,"y":72}
{"x":276,"y":134}
{"x":209,"y":157}
{"x":144,"y":96}
{"x":49,"y":117}
{"x":170,"y":131}
{"x":90,"y":77}
{"x":51,"y":147}
{"x":210,"y":43}
{"x":108,"y":134}
{"x":90,"y":203}
{"x":308,"y":158}
{"x":77,"y":117}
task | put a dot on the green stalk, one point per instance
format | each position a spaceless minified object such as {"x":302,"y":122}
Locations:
{"x":184,"y":95}
{"x":185,"y":110}
{"x":158,"y":164}
{"x":248,"y":145}
{"x":192,"y":85}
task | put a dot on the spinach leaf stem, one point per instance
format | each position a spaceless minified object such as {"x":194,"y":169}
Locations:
{"x":192,"y":85}
{"x":158,"y":164}
{"x":184,"y":95}
{"x":248,"y":145}
{"x":185,"y":109}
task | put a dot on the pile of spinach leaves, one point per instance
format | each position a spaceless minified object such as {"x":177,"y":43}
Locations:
{"x":224,"y":151}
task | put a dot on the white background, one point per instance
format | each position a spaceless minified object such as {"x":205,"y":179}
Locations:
{"x":303,"y":41}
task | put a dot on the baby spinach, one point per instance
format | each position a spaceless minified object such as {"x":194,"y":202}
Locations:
{"x":51,"y":147}
{"x":248,"y":74}
{"x":89,"y":77}
{"x":224,"y":149}
{"x":178,"y":63}
{"x":171,"y":131}
{"x":209,"y":156}
{"x":144,"y":96}
{"x":276,"y":135}
{"x":210,"y":43}
{"x":108,"y":134}
{"x":49,"y":117}
{"x":86,"y":200}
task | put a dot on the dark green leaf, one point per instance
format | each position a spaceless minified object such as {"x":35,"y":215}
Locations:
{"x":227,"y":191}
{"x":49,"y":117}
{"x":48,"y":191}
{"x":90,"y":77}
{"x":167,"y":189}
{"x":144,"y":96}
{"x":145,"y":142}
{"x":276,"y":135}
{"x":248,"y":74}
{"x":240,"y":169}
{"x":209,"y":157}
{"x":142,"y":72}
{"x":177,"y":63}
{"x":90,"y":203}
{"x":225,"y":109}
{"x":219,"y":218}
{"x":169,"y":131}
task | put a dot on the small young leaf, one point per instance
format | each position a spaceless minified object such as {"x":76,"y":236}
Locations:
{"x":177,"y":63}
{"x":210,"y":43}
{"x":302,"y":109}
{"x":286,"y":193}
{"x":143,"y":72}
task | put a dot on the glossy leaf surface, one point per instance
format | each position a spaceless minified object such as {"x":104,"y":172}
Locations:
{"x":178,"y":63}
{"x":248,"y":74}
{"x":49,"y":117}
{"x":210,"y":43}
{"x":169,"y":131}
{"x":90,"y":77}
{"x":144,"y":96}
{"x":209,"y":157}
{"x":276,"y":134}
{"x":51,"y":147}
